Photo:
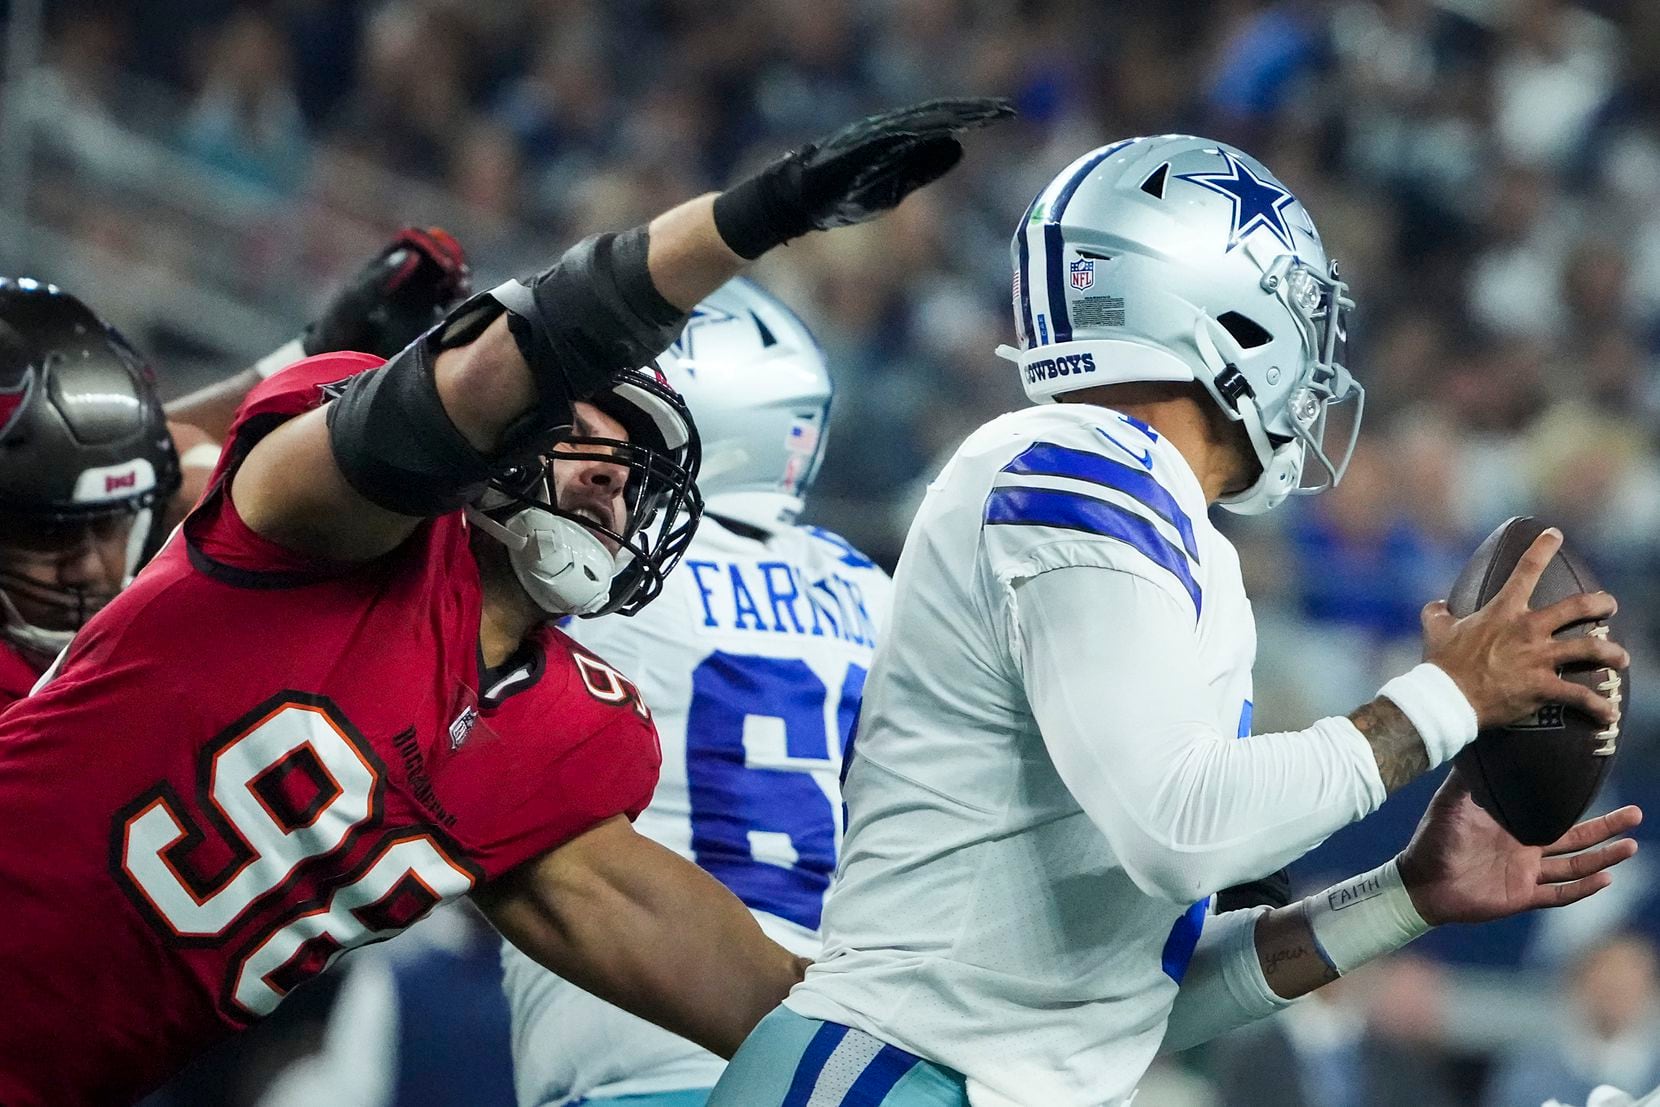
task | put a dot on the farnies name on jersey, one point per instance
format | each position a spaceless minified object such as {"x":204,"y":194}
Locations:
{"x":775,"y":597}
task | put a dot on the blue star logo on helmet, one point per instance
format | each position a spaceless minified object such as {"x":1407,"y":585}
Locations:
{"x":702,"y":315}
{"x":1256,"y":202}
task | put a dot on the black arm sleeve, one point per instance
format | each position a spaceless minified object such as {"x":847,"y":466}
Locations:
{"x":593,"y":313}
{"x":395,"y":443}
{"x":1273,"y":890}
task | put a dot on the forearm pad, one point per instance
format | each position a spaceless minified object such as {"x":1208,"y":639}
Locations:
{"x":396,"y":445}
{"x":595,"y":312}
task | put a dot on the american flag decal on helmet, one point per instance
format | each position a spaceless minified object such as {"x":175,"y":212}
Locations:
{"x":12,"y":400}
{"x":799,"y":445}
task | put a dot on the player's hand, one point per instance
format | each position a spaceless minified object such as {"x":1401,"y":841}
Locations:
{"x":1462,"y":866}
{"x":1504,"y":658}
{"x":853,"y":175}
{"x":395,"y":297}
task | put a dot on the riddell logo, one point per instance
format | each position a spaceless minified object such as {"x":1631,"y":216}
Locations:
{"x":117,"y":481}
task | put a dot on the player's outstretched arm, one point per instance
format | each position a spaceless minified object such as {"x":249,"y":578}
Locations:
{"x":420,"y":436}
{"x":641,"y":927}
{"x":1461,"y":867}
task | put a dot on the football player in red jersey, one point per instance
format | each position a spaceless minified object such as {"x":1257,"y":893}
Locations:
{"x":94,"y":472}
{"x":336,"y":699}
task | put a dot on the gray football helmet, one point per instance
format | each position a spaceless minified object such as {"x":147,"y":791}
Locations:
{"x":1175,"y":258}
{"x":758,"y":386}
{"x":83,"y":439}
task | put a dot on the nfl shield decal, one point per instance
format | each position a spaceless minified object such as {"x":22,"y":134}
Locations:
{"x":1083,"y":274}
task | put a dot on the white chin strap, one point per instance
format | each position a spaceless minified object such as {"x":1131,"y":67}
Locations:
{"x":566,"y":569}
{"x":1282,"y":467}
{"x":37,"y":640}
{"x":1281,"y":473}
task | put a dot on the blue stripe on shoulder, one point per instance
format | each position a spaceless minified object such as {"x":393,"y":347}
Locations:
{"x":1048,"y":507}
{"x":819,"y":1048}
{"x":886,"y":1069}
{"x":1049,"y":460}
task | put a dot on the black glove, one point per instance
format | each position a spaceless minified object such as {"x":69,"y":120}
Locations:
{"x":404,"y":290}
{"x":1273,"y":890}
{"x":861,"y":171}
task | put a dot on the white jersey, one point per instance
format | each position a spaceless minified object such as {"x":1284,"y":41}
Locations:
{"x":753,"y":661}
{"x":980,"y":918}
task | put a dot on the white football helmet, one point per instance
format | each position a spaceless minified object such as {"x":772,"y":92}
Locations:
{"x":1175,"y":258}
{"x":757,"y":383}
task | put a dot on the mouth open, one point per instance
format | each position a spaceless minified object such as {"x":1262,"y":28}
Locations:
{"x":593,"y":515}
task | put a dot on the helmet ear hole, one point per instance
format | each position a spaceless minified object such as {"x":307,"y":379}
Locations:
{"x":1244,"y":330}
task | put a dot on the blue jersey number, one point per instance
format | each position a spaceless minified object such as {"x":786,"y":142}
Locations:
{"x":731,"y":800}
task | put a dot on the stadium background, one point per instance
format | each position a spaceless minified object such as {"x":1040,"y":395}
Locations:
{"x":1488,"y":171}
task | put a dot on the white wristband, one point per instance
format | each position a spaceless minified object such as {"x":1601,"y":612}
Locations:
{"x":280,"y":358}
{"x":1363,"y":918}
{"x":1436,"y":708}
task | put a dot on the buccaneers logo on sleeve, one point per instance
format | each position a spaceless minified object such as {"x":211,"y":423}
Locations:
{"x":13,"y":399}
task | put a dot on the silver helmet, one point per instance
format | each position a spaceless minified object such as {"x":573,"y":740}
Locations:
{"x":1175,"y":258}
{"x":756,"y":381}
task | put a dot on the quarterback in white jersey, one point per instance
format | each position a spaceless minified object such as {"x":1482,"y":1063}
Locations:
{"x":753,"y":661}
{"x":1048,"y":788}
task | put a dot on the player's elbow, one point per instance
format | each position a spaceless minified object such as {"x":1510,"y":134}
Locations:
{"x":1167,"y":873}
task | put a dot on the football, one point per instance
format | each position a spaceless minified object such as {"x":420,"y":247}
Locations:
{"x":1537,"y":776}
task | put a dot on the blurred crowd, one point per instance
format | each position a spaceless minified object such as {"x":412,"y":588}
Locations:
{"x":1486,"y":171}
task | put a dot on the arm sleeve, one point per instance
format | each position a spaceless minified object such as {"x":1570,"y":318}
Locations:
{"x":1224,"y":988}
{"x":1110,"y":667}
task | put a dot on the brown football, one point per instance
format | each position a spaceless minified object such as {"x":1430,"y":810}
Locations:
{"x":1538,"y":776}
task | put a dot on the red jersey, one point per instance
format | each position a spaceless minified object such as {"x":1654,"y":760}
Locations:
{"x":18,"y":673}
{"x":251,"y":762}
